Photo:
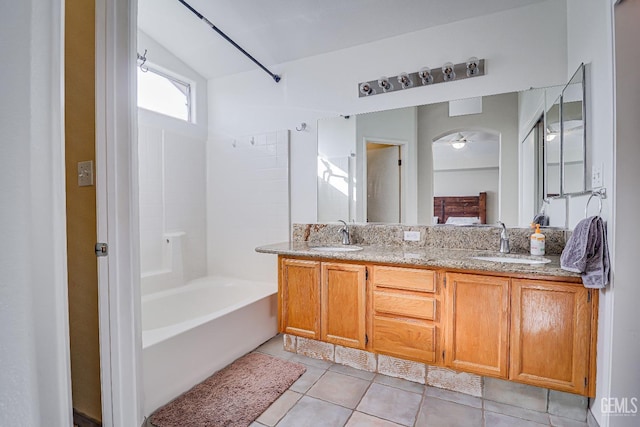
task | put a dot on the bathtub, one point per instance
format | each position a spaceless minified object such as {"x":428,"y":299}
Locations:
{"x":193,"y":330}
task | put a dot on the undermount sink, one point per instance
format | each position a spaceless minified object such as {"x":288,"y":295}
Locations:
{"x":346,"y":248}
{"x":512,"y":259}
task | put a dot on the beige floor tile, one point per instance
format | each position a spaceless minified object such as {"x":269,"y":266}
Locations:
{"x":279,"y":408}
{"x":310,"y":412}
{"x":399,"y":383}
{"x":453,"y":396}
{"x":514,"y":411}
{"x":557,"y":421}
{"x":491,"y":419}
{"x":358,"y":419}
{"x":391,"y":403}
{"x":309,"y":378}
{"x":316,"y":363}
{"x":343,"y":390}
{"x":348,"y":370}
{"x":441,"y":413}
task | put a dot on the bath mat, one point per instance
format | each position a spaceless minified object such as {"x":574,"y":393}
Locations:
{"x":232,"y":397}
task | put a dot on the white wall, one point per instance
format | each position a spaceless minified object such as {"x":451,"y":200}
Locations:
{"x":589,"y":40}
{"x":499,"y":115}
{"x":523,"y":47}
{"x":247,"y":203}
{"x":172,"y":169}
{"x":35,"y":384}
{"x":625,"y":332}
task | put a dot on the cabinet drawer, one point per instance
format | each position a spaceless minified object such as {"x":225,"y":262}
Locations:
{"x":405,"y":278}
{"x":410,"y":305}
{"x":409,"y":339}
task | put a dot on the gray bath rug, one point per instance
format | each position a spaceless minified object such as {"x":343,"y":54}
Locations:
{"x":232,"y":397}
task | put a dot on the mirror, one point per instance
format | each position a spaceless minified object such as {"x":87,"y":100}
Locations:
{"x":552,"y":150}
{"x":527,"y":127}
{"x":350,"y":183}
{"x":574,"y":171}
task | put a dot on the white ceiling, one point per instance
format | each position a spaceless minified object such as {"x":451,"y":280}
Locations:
{"x":482,"y":150}
{"x":277,"y":31}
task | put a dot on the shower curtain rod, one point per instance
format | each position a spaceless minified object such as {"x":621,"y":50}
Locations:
{"x":227,"y":38}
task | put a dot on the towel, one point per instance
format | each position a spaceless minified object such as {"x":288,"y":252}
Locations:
{"x":587,"y":253}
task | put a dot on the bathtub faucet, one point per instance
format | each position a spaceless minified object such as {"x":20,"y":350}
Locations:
{"x":346,"y":238}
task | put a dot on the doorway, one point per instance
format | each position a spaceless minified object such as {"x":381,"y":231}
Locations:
{"x":384,"y":182}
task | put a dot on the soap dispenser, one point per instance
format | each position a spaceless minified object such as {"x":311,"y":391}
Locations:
{"x":537,"y":242}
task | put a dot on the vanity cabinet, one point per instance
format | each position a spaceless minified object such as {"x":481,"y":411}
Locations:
{"x":404,"y":315}
{"x":551,"y":334}
{"x":299,"y":298}
{"x":477,"y":324}
{"x":539,"y":331}
{"x":343,"y":304}
{"x":323,"y":301}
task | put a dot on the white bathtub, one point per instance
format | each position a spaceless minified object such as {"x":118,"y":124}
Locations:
{"x":191,"y":331}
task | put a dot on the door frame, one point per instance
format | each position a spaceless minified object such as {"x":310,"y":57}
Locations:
{"x":117,"y":214}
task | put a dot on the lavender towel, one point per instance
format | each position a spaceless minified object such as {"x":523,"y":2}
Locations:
{"x":587,"y":253}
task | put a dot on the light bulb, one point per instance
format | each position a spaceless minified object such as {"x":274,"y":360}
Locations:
{"x":425,"y":75}
{"x":472,"y":66}
{"x":447,"y":72}
{"x":404,"y":80}
{"x":551,"y":137}
{"x":385,"y":84}
{"x":458,"y":144}
{"x":366,"y":89}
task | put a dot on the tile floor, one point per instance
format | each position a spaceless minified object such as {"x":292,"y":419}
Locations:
{"x":332,"y":395}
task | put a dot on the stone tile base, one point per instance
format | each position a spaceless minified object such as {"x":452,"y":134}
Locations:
{"x":400,"y":368}
{"x":531,"y":398}
{"x":315,"y":349}
{"x":455,"y":381}
{"x":359,"y":359}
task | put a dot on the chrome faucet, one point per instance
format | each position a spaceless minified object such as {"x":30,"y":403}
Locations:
{"x":346,"y":237}
{"x":504,"y":239}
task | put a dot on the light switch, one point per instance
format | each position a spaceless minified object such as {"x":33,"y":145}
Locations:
{"x":85,"y":173}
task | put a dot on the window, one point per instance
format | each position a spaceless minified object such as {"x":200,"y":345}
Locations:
{"x":164,"y":94}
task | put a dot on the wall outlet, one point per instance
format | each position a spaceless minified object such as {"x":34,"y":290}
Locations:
{"x":596,"y":176}
{"x":85,"y":173}
{"x":412,"y":236}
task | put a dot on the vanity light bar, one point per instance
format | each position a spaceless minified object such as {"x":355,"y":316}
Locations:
{"x":474,"y":67}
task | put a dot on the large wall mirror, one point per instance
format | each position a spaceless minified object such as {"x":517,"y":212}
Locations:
{"x":574,"y":136}
{"x":388,"y":166}
{"x":395,"y":166}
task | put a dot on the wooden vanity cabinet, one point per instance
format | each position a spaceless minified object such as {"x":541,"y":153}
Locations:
{"x":323,"y":301}
{"x":534,"y":331}
{"x":477,"y":324}
{"x":551,"y":334}
{"x":404,"y":314}
{"x":299,"y":298}
{"x":343,"y":304}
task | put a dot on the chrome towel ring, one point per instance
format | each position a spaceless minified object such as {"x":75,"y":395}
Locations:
{"x":600,"y":193}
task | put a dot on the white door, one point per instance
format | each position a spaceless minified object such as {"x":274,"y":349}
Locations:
{"x":383,"y":183}
{"x":117,"y":217}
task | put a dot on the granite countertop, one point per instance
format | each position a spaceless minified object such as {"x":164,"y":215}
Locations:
{"x":458,"y":259}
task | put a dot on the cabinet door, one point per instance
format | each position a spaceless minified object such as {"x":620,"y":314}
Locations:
{"x":300,"y":298}
{"x":343,"y":304}
{"x":477,"y":324}
{"x":550,"y":334}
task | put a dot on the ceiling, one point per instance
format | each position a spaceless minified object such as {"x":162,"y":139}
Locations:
{"x":277,"y":31}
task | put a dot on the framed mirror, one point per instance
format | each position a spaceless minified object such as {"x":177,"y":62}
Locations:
{"x":574,"y":137}
{"x":552,"y":151}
